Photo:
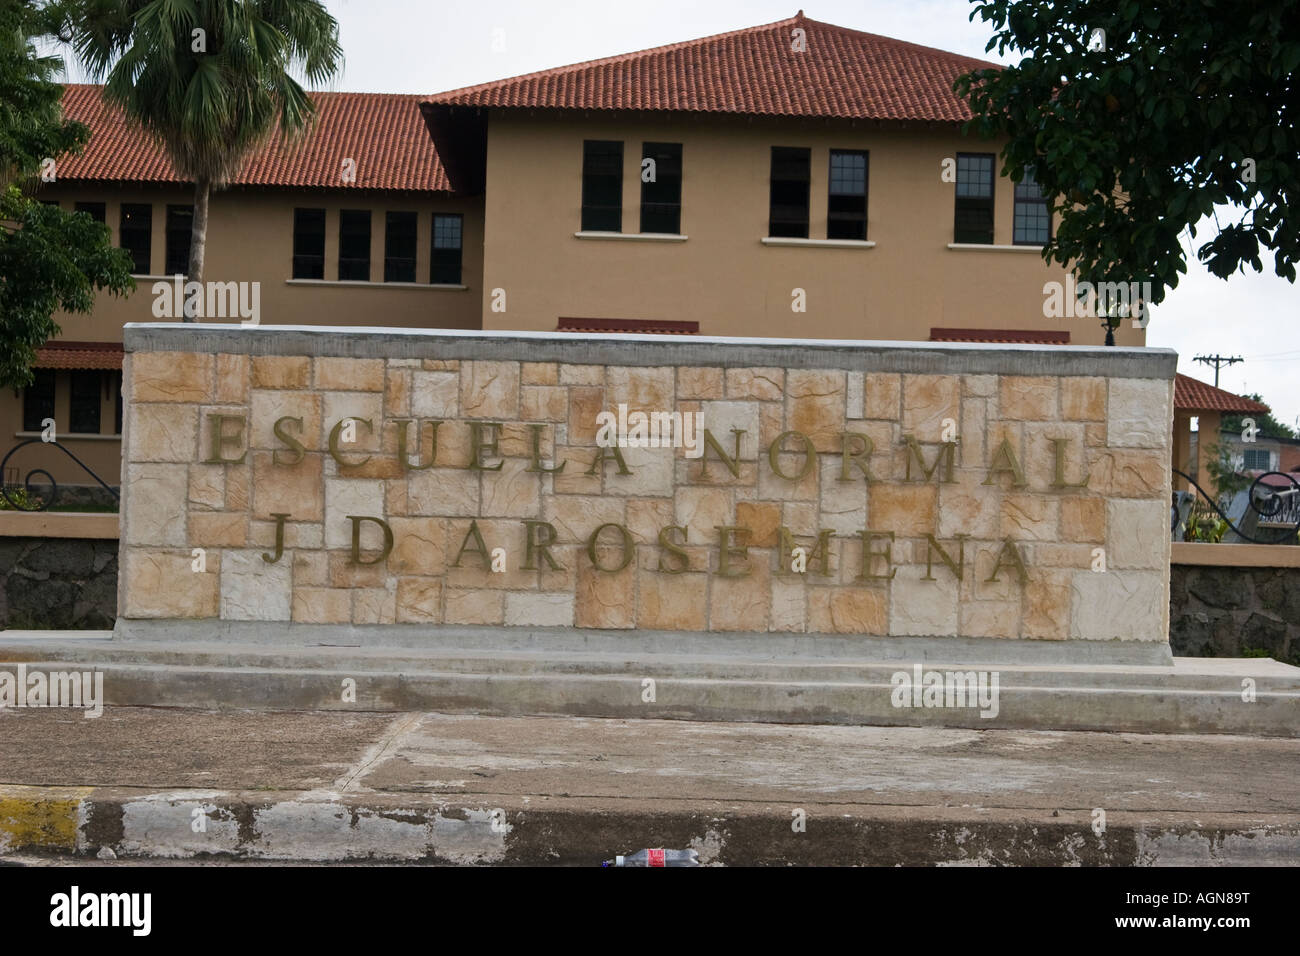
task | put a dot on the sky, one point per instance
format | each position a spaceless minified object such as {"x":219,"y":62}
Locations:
{"x":418,"y":46}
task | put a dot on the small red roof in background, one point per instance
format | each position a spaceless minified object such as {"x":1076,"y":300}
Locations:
{"x":756,"y":71}
{"x":92,"y":355}
{"x":1003,"y":336}
{"x":385,"y":134}
{"x":1193,"y":395}
{"x":637,"y":326}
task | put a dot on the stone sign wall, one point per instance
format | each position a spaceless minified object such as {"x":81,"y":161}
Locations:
{"x":361,"y":477}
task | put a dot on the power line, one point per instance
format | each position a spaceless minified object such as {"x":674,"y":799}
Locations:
{"x":1218,"y":361}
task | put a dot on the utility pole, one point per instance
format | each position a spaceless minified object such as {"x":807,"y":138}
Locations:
{"x":1218,"y":361}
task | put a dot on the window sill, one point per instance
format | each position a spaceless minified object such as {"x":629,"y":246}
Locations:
{"x":633,"y":236}
{"x":153,"y":278}
{"x":990,"y":247}
{"x":818,"y":243}
{"x":69,"y":436}
{"x":375,"y":285}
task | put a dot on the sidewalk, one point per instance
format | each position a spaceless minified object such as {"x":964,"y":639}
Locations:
{"x":437,"y":788}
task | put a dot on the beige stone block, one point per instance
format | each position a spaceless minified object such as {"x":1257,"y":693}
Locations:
{"x":238,"y":487}
{"x":269,"y":406}
{"x":763,"y":518}
{"x":539,"y":609}
{"x":207,"y":486}
{"x":720,"y":418}
{"x":157,"y":510}
{"x":645,"y":517}
{"x":374,"y":606}
{"x":575,"y":517}
{"x":419,"y":600}
{"x":979,"y":386}
{"x":1137,"y":534}
{"x":539,"y":373}
{"x":742,"y":603}
{"x":771,"y":423}
{"x":928,"y":402}
{"x":922,"y":608}
{"x":1052,"y":555}
{"x":705,"y":382}
{"x":802,"y":487}
{"x":574,"y":480}
{"x":435,"y":395}
{"x":854,"y":404}
{"x":1000,"y":619}
{"x":297,"y":534}
{"x":281,"y":371}
{"x":1095,"y":435}
{"x":489,"y":390}
{"x":443,"y":492}
{"x":1007,"y":587}
{"x":845,"y":610}
{"x":673,"y":602}
{"x":1120,"y":605}
{"x":702,"y":509}
{"x":906,"y":509}
{"x":816,"y":404}
{"x":296,"y":490}
{"x":1139,"y":413}
{"x":171,"y":377}
{"x":584,"y":405}
{"x":582,"y":374}
{"x":789,"y":606}
{"x":1083,"y":399}
{"x":163,"y":584}
{"x":440,"y":365}
{"x":544,"y":403}
{"x":349,"y":374}
{"x":233,"y":373}
{"x":168,"y":433}
{"x":252,"y":589}
{"x":512,"y":491}
{"x":964,"y":509}
{"x":604,"y":599}
{"x":642,"y":389}
{"x":972,"y":450}
{"x":349,"y":496}
{"x":1121,"y":473}
{"x":1040,"y":455}
{"x":1027,"y":398}
{"x":322,"y":606}
{"x":801,"y":517}
{"x":764,"y":384}
{"x":310,"y":569}
{"x":218,"y":529}
{"x":344,"y":574}
{"x":882,"y":396}
{"x":1045,"y":605}
{"x":474,"y":606}
{"x":419,"y":546}
{"x":397,"y":393}
{"x":651,"y":473}
{"x":1083,"y":519}
{"x":360,"y":407}
{"x":843,"y":503}
{"x":1030,"y":517}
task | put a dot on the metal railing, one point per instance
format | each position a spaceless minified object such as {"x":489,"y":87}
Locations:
{"x":29,"y":493}
{"x":1275,"y":507}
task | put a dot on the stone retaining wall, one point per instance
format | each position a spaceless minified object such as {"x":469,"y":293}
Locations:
{"x":1232,"y":612}
{"x":58,"y":583}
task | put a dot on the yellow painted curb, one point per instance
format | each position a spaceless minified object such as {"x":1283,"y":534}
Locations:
{"x":44,"y":817}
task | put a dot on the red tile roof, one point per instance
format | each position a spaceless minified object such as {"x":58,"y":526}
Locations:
{"x":100,"y":355}
{"x":842,"y":74}
{"x":1193,"y":395}
{"x":639,"y":326}
{"x":1005,"y":336}
{"x":384,"y":133}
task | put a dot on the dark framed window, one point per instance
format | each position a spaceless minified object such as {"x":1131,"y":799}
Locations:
{"x":447,"y":241}
{"x":38,"y":400}
{"x":399,"y":246}
{"x":180,"y":228}
{"x":95,"y":210}
{"x":1256,"y":459}
{"x":602,"y":185}
{"x":135,"y":233}
{"x":846,"y":212}
{"x":974,"y":216}
{"x":309,"y":243}
{"x":117,"y":392}
{"x":84,"y":409}
{"x":354,"y":245}
{"x":661,"y":196}
{"x":1033,"y":220}
{"x":788,"y":207}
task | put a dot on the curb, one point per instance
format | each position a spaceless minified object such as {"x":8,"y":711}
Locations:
{"x":320,"y":826}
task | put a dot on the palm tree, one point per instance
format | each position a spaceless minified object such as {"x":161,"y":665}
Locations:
{"x":207,"y":78}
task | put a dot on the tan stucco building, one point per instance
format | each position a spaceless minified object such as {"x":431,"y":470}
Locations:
{"x":793,"y":179}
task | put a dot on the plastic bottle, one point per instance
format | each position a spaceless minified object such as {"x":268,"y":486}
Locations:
{"x":658,"y":857}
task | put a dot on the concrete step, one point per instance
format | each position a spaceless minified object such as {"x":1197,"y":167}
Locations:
{"x":537,"y":678}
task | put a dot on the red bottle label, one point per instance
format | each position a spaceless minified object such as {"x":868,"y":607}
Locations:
{"x":656,"y":858}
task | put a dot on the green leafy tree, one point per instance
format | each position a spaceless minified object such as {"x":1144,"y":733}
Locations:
{"x":209,"y":79}
{"x":1190,"y":107}
{"x":1269,"y":427}
{"x":49,"y":259}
